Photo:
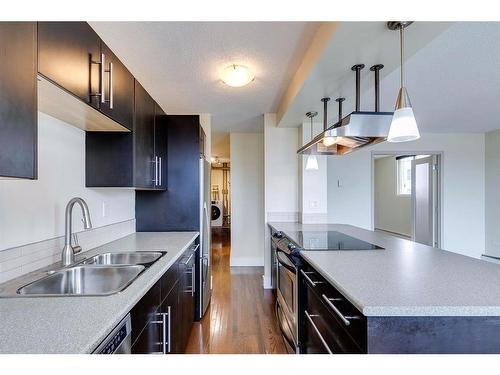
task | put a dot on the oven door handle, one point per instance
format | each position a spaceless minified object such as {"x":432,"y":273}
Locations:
{"x":287,"y":266}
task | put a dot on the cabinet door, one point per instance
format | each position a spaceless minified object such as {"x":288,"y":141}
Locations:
{"x":18,"y":101}
{"x":144,"y":163}
{"x":149,"y":340}
{"x":161,"y":147}
{"x":186,"y":298}
{"x":66,"y":52}
{"x":170,"y":306}
{"x":118,"y":89}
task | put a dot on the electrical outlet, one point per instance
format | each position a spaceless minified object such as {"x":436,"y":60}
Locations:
{"x":313,"y":204}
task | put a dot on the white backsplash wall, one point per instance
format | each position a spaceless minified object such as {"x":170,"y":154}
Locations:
{"x":20,"y":260}
{"x":33,"y":211}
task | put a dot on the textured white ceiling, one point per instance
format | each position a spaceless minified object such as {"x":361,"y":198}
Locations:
{"x":179,"y":64}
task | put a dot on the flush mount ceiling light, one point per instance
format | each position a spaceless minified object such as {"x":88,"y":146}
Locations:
{"x":403,"y":126}
{"x":312,"y":162}
{"x":237,"y":75}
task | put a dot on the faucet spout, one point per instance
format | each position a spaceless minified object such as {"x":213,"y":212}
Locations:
{"x":68,"y":252}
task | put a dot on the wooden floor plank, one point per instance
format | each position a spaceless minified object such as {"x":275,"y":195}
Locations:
{"x":240,"y":318}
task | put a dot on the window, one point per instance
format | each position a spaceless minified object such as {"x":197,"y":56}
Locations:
{"x":403,"y":168}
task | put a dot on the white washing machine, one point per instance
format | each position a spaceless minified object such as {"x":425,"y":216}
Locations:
{"x":217,"y":214}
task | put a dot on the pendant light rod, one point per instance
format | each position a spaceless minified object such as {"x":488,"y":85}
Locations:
{"x":400,"y":26}
{"x":376,"y":68}
{"x":340,"y":100}
{"x":325,"y":112}
{"x":357,"y":68}
{"x":311,"y":115}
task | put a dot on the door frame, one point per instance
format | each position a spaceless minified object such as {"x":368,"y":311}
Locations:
{"x":439,"y":186}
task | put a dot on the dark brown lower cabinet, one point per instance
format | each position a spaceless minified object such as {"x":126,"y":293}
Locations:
{"x":163,"y":318}
{"x":328,"y":323}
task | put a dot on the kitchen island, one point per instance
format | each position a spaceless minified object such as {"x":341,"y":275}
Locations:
{"x":412,"y":298}
{"x":79,"y":324}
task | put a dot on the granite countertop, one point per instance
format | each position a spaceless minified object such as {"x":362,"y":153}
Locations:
{"x":405,"y":279}
{"x":79,"y":324}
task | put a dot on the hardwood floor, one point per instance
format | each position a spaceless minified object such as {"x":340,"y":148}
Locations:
{"x":240,"y":318}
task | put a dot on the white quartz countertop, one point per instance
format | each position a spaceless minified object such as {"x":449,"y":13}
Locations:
{"x":79,"y":324}
{"x":405,"y":279}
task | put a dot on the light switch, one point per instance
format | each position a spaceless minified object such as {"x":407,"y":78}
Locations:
{"x":103,"y":209}
{"x":339,"y":183}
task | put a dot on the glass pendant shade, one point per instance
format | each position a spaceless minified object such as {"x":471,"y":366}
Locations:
{"x":403,"y":126}
{"x":312,"y":163}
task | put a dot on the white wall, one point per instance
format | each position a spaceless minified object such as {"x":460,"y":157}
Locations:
{"x":34,"y":210}
{"x":313,"y":183}
{"x":281,"y":181}
{"x":392,"y":211}
{"x":463,"y":187}
{"x":247,"y":210}
{"x":492,"y":192}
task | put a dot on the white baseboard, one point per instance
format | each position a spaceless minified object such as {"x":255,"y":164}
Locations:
{"x":266,"y":282}
{"x":247,"y":262}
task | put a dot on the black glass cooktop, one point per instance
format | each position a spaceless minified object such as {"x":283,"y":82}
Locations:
{"x":329,"y":240}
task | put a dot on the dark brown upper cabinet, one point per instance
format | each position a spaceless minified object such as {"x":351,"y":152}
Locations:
{"x":146,"y":162}
{"x":136,"y":159}
{"x":73,"y":57}
{"x":118,"y":89}
{"x":69,"y":55}
{"x":18,"y":100}
{"x":160,"y":152}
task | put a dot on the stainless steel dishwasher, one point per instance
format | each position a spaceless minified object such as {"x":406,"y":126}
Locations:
{"x":119,"y":340}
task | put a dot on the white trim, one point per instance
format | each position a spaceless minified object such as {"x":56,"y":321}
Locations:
{"x":267,"y":282}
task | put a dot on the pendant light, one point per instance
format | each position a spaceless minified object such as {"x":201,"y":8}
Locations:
{"x":403,"y":126}
{"x":328,"y":140}
{"x":312,"y":162}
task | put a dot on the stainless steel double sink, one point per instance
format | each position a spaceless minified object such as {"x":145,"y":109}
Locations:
{"x":100,"y":275}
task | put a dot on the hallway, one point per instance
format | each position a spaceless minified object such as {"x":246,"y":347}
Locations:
{"x":240,"y":318}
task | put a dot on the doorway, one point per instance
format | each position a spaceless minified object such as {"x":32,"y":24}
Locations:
{"x":221,"y":204}
{"x":406,"y":195}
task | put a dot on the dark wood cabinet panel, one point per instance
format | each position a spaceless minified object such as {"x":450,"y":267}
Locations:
{"x":160,"y":152}
{"x":109,"y":159}
{"x":119,"y":96}
{"x":144,"y":160}
{"x":163,"y":318}
{"x":170,"y":306}
{"x":18,"y":100}
{"x":328,"y":322}
{"x":145,"y":311}
{"x":66,"y":52}
{"x":177,"y":208}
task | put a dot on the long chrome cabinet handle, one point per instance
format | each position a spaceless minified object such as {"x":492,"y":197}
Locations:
{"x":345,"y":319}
{"x":169,"y":317}
{"x":309,"y":280}
{"x":155,"y":179}
{"x":159,"y":172}
{"x":309,"y":317}
{"x":110,"y":85}
{"x":101,"y":81}
{"x":193,"y":281}
{"x":189,"y":259}
{"x":163,"y":323}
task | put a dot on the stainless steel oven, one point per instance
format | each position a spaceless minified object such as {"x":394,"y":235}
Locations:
{"x":286,"y":294}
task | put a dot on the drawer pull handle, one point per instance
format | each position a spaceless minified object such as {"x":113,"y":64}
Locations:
{"x":345,"y":319}
{"x":309,"y":317}
{"x":309,"y":280}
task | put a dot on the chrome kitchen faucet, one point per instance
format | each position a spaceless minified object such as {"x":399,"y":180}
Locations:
{"x":68,"y":252}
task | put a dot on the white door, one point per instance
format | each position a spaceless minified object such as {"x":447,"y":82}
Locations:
{"x":425,"y":200}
